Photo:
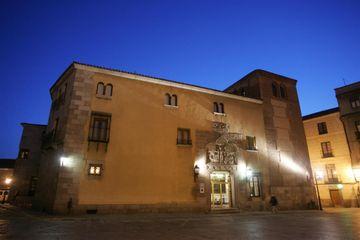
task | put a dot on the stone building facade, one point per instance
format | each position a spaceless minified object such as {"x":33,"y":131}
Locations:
{"x":330,"y":159}
{"x":26,"y":171}
{"x":119,"y":141}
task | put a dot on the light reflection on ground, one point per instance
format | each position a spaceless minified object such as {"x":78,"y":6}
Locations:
{"x":330,"y":224}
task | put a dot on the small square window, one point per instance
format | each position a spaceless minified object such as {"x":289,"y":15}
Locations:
{"x":251,"y":143}
{"x":183,"y":137}
{"x":24,"y":154}
{"x":95,"y":169}
{"x":322,"y":128}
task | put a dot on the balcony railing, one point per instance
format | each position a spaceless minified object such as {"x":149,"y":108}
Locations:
{"x":327,"y":155}
{"x":183,"y":142}
{"x":333,"y":180}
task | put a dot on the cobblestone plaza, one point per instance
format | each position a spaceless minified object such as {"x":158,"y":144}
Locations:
{"x":329,"y":224}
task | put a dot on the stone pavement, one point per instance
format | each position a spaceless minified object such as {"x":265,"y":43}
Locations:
{"x":329,"y":224}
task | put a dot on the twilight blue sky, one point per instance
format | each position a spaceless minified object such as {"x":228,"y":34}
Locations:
{"x":209,"y":43}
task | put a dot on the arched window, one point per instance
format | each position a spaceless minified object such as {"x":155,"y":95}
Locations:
{"x":282,"y":91}
{"x":242,"y":92}
{"x":274,"y":89}
{"x":221,"y":108}
{"x":167,"y":99}
{"x":108,"y":90}
{"x":100,"y":88}
{"x":174,"y":100}
{"x":216,"y":107}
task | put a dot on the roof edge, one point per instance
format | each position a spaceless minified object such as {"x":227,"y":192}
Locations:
{"x":321,"y":113}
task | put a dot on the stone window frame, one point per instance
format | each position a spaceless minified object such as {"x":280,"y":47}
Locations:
{"x":219,"y":108}
{"x":171,"y":100}
{"x":91,"y":137}
{"x":106,"y":90}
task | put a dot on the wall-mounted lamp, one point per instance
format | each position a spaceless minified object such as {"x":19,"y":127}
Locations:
{"x":65,"y":161}
{"x":196,"y":172}
{"x":249,"y":173}
{"x":356,"y":172}
{"x":8,"y":181}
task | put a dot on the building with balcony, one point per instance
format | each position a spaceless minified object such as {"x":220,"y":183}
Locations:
{"x":330,"y":159}
{"x":126,"y":142}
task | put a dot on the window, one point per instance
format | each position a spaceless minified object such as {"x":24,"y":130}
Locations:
{"x":95,"y":169}
{"x":100,"y":88}
{"x":357,"y":129}
{"x":183,"y":136}
{"x":357,"y":126}
{"x":216,"y":107}
{"x":355,"y":101}
{"x":108,"y":90}
{"x":251,"y":143}
{"x":322,"y":128}
{"x":171,"y":100}
{"x":254,"y":186}
{"x":56,"y":127}
{"x":32,"y":186}
{"x":274,"y":89}
{"x":174,"y":100}
{"x":167,"y":99}
{"x":219,"y":108}
{"x":326,"y":149}
{"x":242,"y":92}
{"x":24,"y":154}
{"x":282,"y":91}
{"x":331,"y":173}
{"x":99,"y":128}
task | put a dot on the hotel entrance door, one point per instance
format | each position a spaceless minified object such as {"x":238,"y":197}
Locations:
{"x":220,"y":190}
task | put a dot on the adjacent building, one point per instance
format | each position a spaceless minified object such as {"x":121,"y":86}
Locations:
{"x":120,"y":141}
{"x":333,"y":138}
{"x":349,"y":104}
{"x":26,"y":172}
{"x":330,"y":158}
{"x":6,"y":178}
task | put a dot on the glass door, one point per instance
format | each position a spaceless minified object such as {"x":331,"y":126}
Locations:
{"x":220,"y":190}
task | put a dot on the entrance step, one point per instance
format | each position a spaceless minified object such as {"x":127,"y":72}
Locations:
{"x":225,"y":210}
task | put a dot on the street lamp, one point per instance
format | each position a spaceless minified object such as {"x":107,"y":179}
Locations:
{"x":318,"y":174}
{"x":196,"y":172}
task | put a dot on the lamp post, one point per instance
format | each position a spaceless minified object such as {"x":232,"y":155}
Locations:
{"x":317,"y":191}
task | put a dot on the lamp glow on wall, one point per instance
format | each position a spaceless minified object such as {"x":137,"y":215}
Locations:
{"x":356,"y":172}
{"x":65,"y":162}
{"x":291,"y":165}
{"x":200,"y":163}
{"x":8,"y":181}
